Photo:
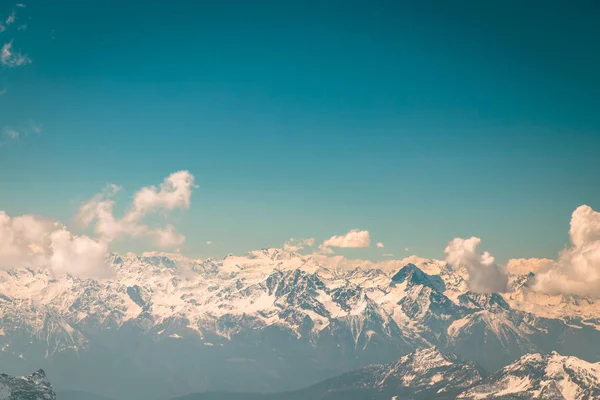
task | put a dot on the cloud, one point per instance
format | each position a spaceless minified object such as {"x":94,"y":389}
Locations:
{"x":11,"y":18}
{"x":10,"y":58}
{"x":388,"y":255}
{"x":209,"y":242}
{"x":31,"y":241}
{"x":10,"y":134}
{"x":298,"y":244}
{"x":322,"y":249}
{"x":577,"y":269}
{"x":523,"y":266}
{"x":484,"y":274}
{"x":173,"y":193}
{"x":37,"y":242}
{"x":168,"y":237}
{"x":77,"y":255}
{"x":380,"y":245}
{"x":354,"y":238}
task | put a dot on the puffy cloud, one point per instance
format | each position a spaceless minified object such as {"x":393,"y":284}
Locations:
{"x":174,"y":192}
{"x":523,"y":266}
{"x":23,"y":240}
{"x":484,"y":274}
{"x":77,"y":255}
{"x":354,"y":238}
{"x":577,"y":270}
{"x":31,"y":241}
{"x":324,"y":250}
{"x":11,"y":58}
{"x":298,"y":244}
{"x":380,"y":245}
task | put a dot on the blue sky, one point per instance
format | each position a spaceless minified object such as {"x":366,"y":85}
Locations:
{"x":416,"y":122}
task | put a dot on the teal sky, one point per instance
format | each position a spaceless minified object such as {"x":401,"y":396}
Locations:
{"x":416,"y":122}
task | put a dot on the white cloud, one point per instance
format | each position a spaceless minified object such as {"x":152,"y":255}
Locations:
{"x":20,"y":5}
{"x":209,"y":242}
{"x":10,"y":58}
{"x":406,"y":249}
{"x":577,"y":270}
{"x":484,"y":274}
{"x":77,"y":255}
{"x":168,"y":237}
{"x":380,"y":245}
{"x":388,"y":255}
{"x":21,"y":238}
{"x":174,"y":192}
{"x":324,"y":250}
{"x":10,"y":134}
{"x":298,"y":244}
{"x":11,"y":18}
{"x":354,"y":238}
{"x":523,"y":266}
{"x":33,"y":241}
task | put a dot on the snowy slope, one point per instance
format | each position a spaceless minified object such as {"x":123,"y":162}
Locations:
{"x":535,"y":376}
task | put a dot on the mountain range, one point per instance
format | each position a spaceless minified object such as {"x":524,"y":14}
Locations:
{"x":429,"y":374}
{"x":269,"y":321}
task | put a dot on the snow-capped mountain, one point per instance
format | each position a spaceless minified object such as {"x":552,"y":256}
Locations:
{"x":434,"y":375}
{"x":265,"y":321}
{"x":535,"y":376}
{"x":422,"y":374}
{"x":32,"y":387}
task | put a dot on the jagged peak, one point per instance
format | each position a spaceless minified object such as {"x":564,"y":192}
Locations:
{"x":487,"y":301}
{"x":413,"y":275}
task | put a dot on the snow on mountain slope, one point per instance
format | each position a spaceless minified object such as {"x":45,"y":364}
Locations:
{"x":33,"y":387}
{"x":535,"y":376}
{"x":571,"y":308}
{"x":423,"y":374}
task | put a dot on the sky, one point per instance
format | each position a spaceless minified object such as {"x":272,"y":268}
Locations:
{"x":418,"y":123}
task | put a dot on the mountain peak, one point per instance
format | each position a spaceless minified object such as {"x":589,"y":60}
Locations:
{"x":413,"y":275}
{"x":487,"y":301}
{"x":546,"y":377}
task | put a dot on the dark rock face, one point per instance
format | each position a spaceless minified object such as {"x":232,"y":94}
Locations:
{"x":33,"y":387}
